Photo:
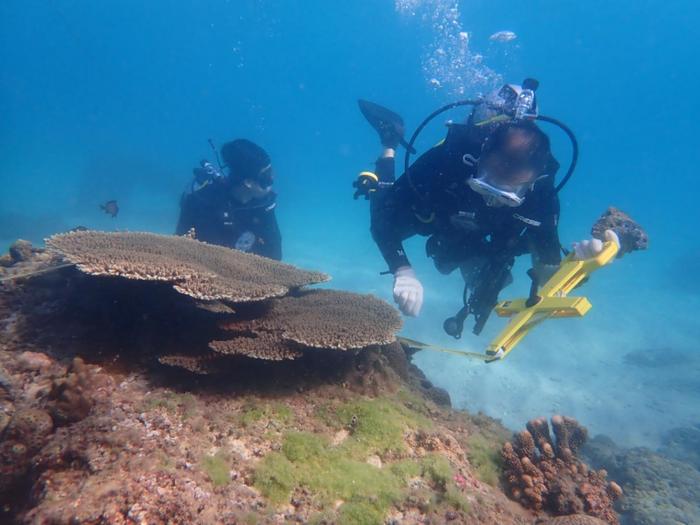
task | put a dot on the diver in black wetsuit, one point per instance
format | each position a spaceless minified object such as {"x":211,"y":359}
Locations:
{"x":483,"y":196}
{"x":235,"y":210}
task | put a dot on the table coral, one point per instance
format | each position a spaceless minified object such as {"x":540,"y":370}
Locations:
{"x":200,"y":270}
{"x":323,"y":319}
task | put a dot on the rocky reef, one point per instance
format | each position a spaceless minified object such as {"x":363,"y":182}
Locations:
{"x":661,"y":487}
{"x":544,"y":473}
{"x":153,"y":379}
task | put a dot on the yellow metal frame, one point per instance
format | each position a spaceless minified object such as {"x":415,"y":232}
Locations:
{"x":552,"y":302}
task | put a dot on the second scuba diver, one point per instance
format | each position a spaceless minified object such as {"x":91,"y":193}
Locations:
{"x":483,"y":196}
{"x":237,"y":209}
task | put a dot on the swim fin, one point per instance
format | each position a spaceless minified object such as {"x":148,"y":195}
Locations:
{"x":388,"y":124}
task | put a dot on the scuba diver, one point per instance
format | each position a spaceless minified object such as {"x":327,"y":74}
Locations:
{"x":236,"y":210}
{"x":483,"y":196}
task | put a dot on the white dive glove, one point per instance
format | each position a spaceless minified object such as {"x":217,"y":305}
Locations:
{"x":408,"y":291}
{"x":592,"y":247}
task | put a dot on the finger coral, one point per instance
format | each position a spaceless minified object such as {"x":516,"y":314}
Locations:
{"x":544,"y":474}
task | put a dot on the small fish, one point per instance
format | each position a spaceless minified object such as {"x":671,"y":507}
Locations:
{"x":503,"y":36}
{"x":110,"y":208}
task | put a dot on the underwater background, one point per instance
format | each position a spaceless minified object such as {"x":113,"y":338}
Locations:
{"x":116,"y":100}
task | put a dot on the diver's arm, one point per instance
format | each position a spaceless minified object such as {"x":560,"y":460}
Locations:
{"x":186,"y":220}
{"x":393,"y":209}
{"x":545,"y":245}
{"x":269,"y":237}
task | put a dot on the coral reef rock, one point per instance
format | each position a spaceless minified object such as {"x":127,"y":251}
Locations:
{"x":23,"y":259}
{"x":683,"y":444}
{"x":37,"y":408}
{"x":21,"y":251}
{"x":69,"y":398}
{"x":97,"y":431}
{"x":203,"y":271}
{"x":631,"y":235}
{"x":545,"y":474}
{"x":659,"y":490}
{"x":573,"y":519}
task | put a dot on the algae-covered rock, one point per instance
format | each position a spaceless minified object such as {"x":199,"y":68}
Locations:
{"x":352,"y":434}
{"x":658,"y":490}
{"x":21,"y":251}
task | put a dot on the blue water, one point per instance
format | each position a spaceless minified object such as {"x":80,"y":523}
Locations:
{"x":116,"y":100}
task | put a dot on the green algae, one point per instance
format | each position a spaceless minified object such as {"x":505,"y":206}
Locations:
{"x":454,"y":498}
{"x":217,"y":468}
{"x":276,"y":412}
{"x":340,"y":473}
{"x":276,"y":477}
{"x":377,"y":425}
{"x":406,"y":469}
{"x":485,"y":457}
{"x":309,"y":460}
{"x":359,"y":513}
{"x":437,"y":469}
{"x":172,"y":402}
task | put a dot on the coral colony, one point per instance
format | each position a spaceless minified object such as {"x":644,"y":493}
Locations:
{"x":279,"y":402}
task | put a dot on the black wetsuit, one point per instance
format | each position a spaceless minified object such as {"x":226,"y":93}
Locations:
{"x":219,"y":219}
{"x":437,"y":202}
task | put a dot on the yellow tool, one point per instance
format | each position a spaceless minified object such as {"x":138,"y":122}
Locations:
{"x":551,"y":301}
{"x":415,"y":346}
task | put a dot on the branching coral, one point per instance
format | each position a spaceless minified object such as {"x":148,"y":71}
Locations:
{"x":545,"y":475}
{"x":203,"y":271}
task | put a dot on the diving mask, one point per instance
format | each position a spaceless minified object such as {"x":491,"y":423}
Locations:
{"x":495,"y":196}
{"x":261,"y":184}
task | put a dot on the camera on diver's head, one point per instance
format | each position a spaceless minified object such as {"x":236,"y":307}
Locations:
{"x":518,"y":102}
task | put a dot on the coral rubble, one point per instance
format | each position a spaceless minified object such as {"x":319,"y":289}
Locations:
{"x":545,"y":474}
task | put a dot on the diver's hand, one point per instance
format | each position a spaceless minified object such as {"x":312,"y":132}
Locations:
{"x":591,"y":247}
{"x":408,"y":291}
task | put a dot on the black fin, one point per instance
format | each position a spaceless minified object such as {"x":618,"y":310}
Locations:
{"x":384,"y":121}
